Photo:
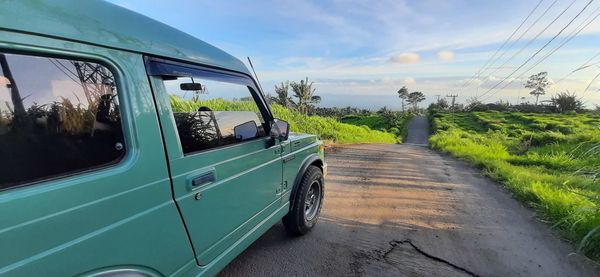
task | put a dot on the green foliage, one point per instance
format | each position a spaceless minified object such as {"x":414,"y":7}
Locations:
{"x":567,"y":102}
{"x":385,"y":120}
{"x":414,"y":98}
{"x":282,"y":97}
{"x":304,"y":92}
{"x":339,"y":113}
{"x":551,"y":162}
{"x":326,"y":128}
{"x":538,"y":84}
{"x":403,"y":95}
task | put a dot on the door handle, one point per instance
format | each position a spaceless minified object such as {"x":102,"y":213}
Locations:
{"x":203,"y":179}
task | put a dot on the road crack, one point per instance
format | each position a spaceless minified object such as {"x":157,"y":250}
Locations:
{"x":396,"y":243}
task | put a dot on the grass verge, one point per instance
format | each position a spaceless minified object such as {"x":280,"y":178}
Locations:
{"x":551,"y":162}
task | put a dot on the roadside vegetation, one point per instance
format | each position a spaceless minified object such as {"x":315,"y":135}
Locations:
{"x":327,"y":128}
{"x":384,"y":120}
{"x":549,"y":161}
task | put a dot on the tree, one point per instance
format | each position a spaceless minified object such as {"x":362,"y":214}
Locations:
{"x":440,"y":105}
{"x":18,"y":107}
{"x":567,"y":102}
{"x":538,"y":83}
{"x":403,"y":95}
{"x":305,"y":94}
{"x":414,"y":98}
{"x":473,"y":104}
{"x":282,"y":97}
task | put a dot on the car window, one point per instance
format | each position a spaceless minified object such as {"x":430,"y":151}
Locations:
{"x":211,"y":112}
{"x":57,"y":116}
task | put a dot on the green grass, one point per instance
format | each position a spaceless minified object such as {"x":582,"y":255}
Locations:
{"x":327,"y":128}
{"x":396,"y":122}
{"x":549,"y":161}
{"x":373,"y":121}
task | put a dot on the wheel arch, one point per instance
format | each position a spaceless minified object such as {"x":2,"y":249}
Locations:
{"x":313,"y":159}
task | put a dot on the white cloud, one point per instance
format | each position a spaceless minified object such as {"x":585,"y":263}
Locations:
{"x":445,"y":55}
{"x":405,"y":58}
{"x":409,"y":81}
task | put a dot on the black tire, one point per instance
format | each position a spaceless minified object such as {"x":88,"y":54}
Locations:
{"x":303,"y":216}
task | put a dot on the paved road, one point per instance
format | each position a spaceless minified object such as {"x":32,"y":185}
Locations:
{"x":418,"y":131}
{"x":405,"y":210}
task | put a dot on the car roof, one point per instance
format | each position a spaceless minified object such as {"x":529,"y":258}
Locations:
{"x":106,"y":24}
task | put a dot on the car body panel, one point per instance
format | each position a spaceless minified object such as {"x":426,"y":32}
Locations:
{"x":119,"y":214}
{"x":242,"y":189}
{"x":102,"y":23}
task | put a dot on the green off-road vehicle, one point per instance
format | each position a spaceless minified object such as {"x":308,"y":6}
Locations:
{"x":128,"y":148}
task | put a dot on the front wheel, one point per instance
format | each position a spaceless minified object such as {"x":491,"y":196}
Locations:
{"x":307,"y":203}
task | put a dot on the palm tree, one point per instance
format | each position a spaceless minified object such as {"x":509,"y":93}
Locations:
{"x":305,"y":94}
{"x":282,"y":97}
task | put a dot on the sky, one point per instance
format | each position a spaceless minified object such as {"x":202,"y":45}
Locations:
{"x":359,"y":53}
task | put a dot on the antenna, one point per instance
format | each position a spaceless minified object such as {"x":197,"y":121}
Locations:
{"x":255,"y":76}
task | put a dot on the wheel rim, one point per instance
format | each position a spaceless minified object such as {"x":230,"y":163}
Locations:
{"x":313,"y":200}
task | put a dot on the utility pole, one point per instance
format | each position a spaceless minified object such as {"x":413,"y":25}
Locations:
{"x":453,"y":96}
{"x":438,"y":97}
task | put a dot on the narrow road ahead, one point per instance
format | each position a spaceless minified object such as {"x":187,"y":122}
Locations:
{"x":405,"y":210}
{"x":418,"y":131}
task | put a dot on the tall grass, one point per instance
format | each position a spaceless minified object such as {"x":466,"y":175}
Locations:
{"x":550,"y":162}
{"x":326,"y":128}
{"x":389,"y":121}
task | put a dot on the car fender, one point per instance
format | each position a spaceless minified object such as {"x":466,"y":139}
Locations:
{"x":312,"y":159}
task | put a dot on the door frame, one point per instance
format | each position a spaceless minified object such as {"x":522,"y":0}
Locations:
{"x":157,"y":69}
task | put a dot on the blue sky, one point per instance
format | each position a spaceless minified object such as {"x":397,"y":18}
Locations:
{"x":359,"y":53}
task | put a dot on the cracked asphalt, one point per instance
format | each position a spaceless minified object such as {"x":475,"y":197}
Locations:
{"x":406,"y":210}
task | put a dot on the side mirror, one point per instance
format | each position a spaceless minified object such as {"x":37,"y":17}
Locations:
{"x":280,"y":129}
{"x":246,"y":130}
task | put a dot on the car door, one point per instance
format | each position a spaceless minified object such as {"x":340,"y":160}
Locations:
{"x":226,"y":171}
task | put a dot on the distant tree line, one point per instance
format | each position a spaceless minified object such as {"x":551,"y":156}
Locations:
{"x":561,"y":102}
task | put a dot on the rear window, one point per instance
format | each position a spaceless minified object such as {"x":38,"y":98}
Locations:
{"x":57,"y":117}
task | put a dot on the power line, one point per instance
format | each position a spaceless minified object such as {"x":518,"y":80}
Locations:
{"x":483,"y":68}
{"x":573,"y":33}
{"x":581,"y":67}
{"x":543,"y":47}
{"x":61,"y":70}
{"x":520,"y":37}
{"x":590,"y":84}
{"x":531,"y":40}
